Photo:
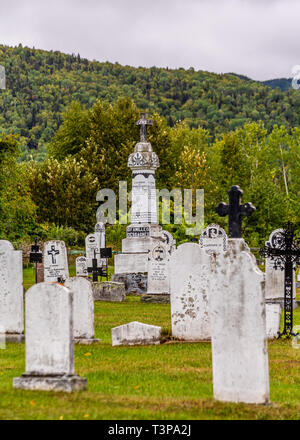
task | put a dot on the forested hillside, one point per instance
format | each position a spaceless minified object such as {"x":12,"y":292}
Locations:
{"x":41,"y":85}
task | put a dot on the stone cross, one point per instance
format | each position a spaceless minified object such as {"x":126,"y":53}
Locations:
{"x":53,"y":252}
{"x":143,"y":123}
{"x":235,"y":210}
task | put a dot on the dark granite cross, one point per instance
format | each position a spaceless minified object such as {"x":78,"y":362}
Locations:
{"x":143,"y":123}
{"x":235,"y":210}
{"x":97,"y":271}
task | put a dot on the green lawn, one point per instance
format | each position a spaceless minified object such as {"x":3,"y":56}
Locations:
{"x":169,"y":381}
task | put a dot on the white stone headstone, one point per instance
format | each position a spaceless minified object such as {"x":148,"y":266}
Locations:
{"x":83,"y":309}
{"x":275,"y":277}
{"x":213,"y":239}
{"x":136,"y":333}
{"x":92,"y":244}
{"x":100,"y":229}
{"x":169,"y":241}
{"x":238,"y":328}
{"x":273,"y":316}
{"x":158,"y":270}
{"x":11,"y":291}
{"x":190,"y":271}
{"x":55,"y":261}
{"x":49,"y":340}
{"x":81,"y":267}
{"x":143,"y":209}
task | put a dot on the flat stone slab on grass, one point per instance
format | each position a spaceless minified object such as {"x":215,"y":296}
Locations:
{"x":136,"y":333}
{"x":156,"y":298}
{"x":109,"y":291}
{"x":49,"y":383}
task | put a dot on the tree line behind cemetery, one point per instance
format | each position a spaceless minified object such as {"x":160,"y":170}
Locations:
{"x":56,"y":198}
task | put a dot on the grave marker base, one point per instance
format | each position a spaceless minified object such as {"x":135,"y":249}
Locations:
{"x":86,"y":341}
{"x":50,"y":383}
{"x":16,"y":338}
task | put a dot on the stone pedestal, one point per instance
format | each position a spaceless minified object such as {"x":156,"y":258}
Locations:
{"x":109,"y":291}
{"x":66,"y":383}
{"x":135,"y":283}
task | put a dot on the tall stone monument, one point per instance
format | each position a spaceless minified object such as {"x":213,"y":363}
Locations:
{"x":144,"y":230}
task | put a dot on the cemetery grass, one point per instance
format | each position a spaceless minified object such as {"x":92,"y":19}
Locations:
{"x":169,"y":381}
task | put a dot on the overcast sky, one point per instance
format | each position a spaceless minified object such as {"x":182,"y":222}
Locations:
{"x":257,"y":38}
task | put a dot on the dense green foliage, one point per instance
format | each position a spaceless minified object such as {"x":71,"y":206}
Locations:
{"x":89,"y":142}
{"x":41,"y":84}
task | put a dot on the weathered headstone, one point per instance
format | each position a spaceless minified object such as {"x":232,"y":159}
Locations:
{"x":238,"y":328}
{"x":213,"y":240}
{"x":92,"y":245}
{"x":83,"y":310}
{"x":55,"y":261}
{"x":136,"y":333}
{"x":190,"y":271}
{"x":81,"y":267}
{"x":49,"y":341}
{"x":275,"y":278}
{"x":273,"y":315}
{"x":158,"y":270}
{"x":110,"y":291}
{"x":11,"y":293}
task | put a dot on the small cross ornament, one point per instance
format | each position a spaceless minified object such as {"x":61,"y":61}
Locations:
{"x":143,"y":123}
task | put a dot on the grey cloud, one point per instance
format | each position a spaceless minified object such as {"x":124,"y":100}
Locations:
{"x":257,"y":38}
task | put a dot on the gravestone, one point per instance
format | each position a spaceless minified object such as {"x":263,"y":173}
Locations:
{"x":92,"y":245}
{"x":55,"y":261}
{"x":158,"y":270}
{"x":275,"y":278}
{"x":213,"y":240}
{"x":144,"y":229}
{"x":238,"y":328}
{"x":49,"y":341}
{"x":81,"y":267}
{"x":273,"y":315}
{"x":100,"y":230}
{"x":11,"y":293}
{"x":136,"y":333}
{"x":110,"y":291}
{"x":190,"y":271}
{"x":83,"y":310}
{"x":169,"y":241}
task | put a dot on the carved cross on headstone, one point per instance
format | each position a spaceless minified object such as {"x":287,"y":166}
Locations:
{"x":235,"y":210}
{"x":53,"y":252}
{"x":159,"y":254}
{"x":143,"y":123}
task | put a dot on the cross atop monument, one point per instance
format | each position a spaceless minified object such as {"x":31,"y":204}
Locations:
{"x":235,"y":210}
{"x":143,"y":123}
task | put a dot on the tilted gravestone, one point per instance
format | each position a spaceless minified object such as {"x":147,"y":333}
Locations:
{"x":136,"y":333}
{"x":55,"y":261}
{"x":238,"y":328}
{"x":158,"y":270}
{"x":83,"y":310}
{"x":190,"y":270}
{"x":11,"y":293}
{"x":49,"y":341}
{"x":81,"y":267}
